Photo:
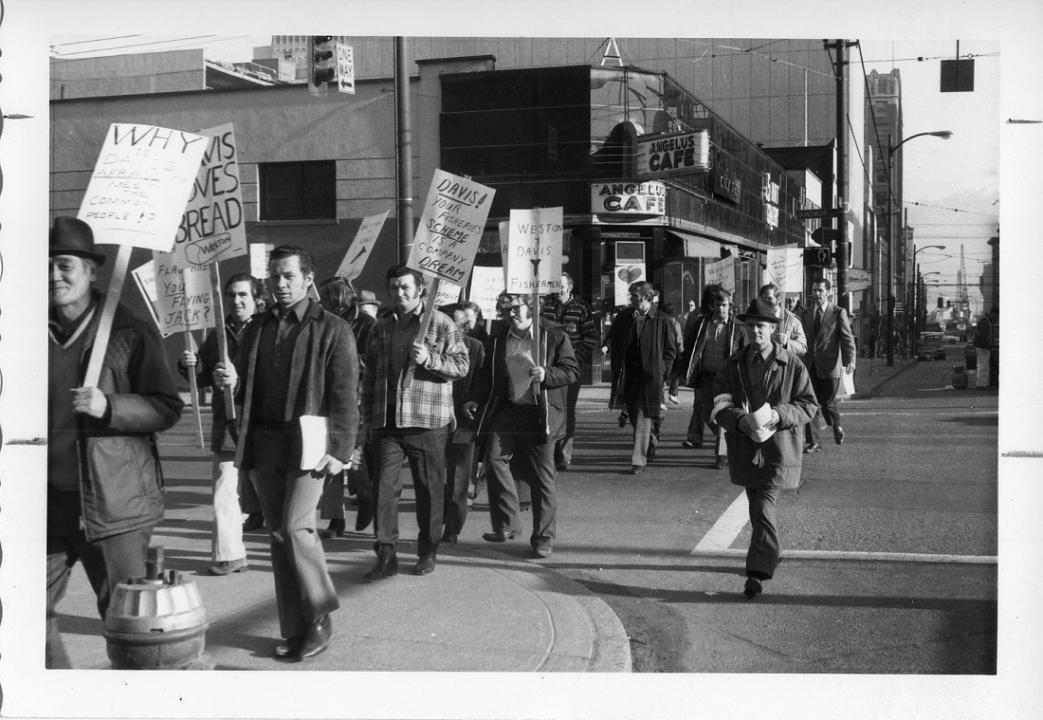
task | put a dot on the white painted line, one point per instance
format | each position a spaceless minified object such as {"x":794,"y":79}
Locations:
{"x":856,"y":556}
{"x":727,"y":527}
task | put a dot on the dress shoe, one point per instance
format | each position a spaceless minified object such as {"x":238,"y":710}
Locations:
{"x":334,"y":529}
{"x":637,"y":469}
{"x":387,"y":565}
{"x":722,"y":462}
{"x":838,"y":434}
{"x":812,"y":448}
{"x":425,"y":565}
{"x":542,"y":550}
{"x":498,"y":537}
{"x":317,"y":637}
{"x":227,"y":567}
{"x":753,"y":587}
{"x":363,"y":515}
{"x":674,"y":399}
{"x":691,"y":444}
{"x":623,"y":418}
{"x":254,"y":521}
{"x":289,"y":649}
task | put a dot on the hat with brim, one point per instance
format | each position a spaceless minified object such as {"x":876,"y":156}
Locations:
{"x":72,"y":236}
{"x":759,"y":311}
{"x":368,"y":297}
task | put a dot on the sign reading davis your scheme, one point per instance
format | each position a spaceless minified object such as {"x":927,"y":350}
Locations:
{"x":143,"y":177}
{"x":644,"y":198}
{"x":451,"y":227}
{"x":662,"y":155}
{"x":534,"y":235}
{"x":213,"y":227}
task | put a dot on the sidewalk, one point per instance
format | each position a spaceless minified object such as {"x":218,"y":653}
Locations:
{"x":485,"y":608}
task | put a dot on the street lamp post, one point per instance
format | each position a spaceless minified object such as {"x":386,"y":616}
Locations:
{"x":917,"y":296}
{"x":891,"y":149}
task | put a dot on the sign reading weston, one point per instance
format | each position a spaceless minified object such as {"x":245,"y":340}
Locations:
{"x":140,"y":184}
{"x":450,"y":228}
{"x":212,"y":227}
{"x":662,"y":155}
{"x":535,"y":235}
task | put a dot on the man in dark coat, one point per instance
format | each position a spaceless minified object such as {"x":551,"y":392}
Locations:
{"x":296,"y":360}
{"x":104,"y":482}
{"x":763,"y":397}
{"x":523,"y":386}
{"x":642,"y":347}
{"x":831,"y":351}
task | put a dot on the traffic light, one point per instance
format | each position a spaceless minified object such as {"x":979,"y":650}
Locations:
{"x":322,"y":63}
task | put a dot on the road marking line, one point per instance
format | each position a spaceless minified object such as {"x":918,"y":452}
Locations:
{"x":855,"y":555}
{"x":727,"y":527}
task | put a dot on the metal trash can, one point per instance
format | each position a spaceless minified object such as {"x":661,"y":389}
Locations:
{"x":156,"y":622}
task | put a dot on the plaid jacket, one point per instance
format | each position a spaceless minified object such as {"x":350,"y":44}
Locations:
{"x":428,"y":401}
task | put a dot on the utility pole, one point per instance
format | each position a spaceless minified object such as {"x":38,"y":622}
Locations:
{"x":842,"y":247}
{"x":403,"y":150}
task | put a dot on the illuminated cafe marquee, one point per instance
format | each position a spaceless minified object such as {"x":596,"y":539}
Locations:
{"x":662,"y":155}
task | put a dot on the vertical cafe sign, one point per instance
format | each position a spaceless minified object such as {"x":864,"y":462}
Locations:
{"x":213,"y":227}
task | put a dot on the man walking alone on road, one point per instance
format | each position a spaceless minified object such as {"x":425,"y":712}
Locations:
{"x":831,"y":351}
{"x":763,"y":396}
{"x":295,"y":360}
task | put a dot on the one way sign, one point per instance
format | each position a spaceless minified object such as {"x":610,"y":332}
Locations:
{"x":345,"y":69}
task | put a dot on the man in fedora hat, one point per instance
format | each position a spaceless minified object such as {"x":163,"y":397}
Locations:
{"x":104,"y":483}
{"x":762,"y":398}
{"x":368,"y":303}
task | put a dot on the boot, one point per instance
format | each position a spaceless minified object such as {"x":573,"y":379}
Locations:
{"x":387,"y":564}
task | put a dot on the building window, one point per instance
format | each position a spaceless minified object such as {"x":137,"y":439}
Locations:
{"x":298,"y":190}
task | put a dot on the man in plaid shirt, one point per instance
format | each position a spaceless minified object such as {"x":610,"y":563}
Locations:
{"x":407,"y":403}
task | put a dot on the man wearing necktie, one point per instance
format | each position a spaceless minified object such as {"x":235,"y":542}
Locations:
{"x":831,"y":351}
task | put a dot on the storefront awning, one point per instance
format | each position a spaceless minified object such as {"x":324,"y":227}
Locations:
{"x":696,"y":246}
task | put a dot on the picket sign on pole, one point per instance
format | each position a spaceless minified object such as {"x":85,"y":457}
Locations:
{"x":536,"y":298}
{"x":193,"y":387}
{"x":108,"y":311}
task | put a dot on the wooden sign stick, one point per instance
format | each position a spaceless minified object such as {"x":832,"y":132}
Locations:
{"x":193,"y":388}
{"x":222,"y":336}
{"x":108,"y":311}
{"x":425,"y":325}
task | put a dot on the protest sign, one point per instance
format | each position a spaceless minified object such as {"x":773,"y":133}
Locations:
{"x":486,"y":285}
{"x":140,"y":184}
{"x":447,"y":294}
{"x":145,"y":278}
{"x":213,"y":227}
{"x":722,"y":273}
{"x":358,"y":252}
{"x":504,"y":228}
{"x":534,"y":251}
{"x":450,"y":227}
{"x":786,"y":268}
{"x":183,"y":295}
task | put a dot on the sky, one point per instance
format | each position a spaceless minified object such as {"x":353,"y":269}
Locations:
{"x":951,"y":186}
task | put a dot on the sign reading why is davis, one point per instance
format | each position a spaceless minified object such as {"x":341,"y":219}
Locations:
{"x":140,"y":184}
{"x":450,"y":228}
{"x":534,"y":235}
{"x":661,"y":155}
{"x":213,"y":227}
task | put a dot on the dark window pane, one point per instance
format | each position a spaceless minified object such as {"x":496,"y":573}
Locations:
{"x":298,"y":190}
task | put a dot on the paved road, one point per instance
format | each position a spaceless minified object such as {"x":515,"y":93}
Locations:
{"x":890,"y":544}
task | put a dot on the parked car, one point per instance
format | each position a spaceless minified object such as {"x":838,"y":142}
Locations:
{"x":951,"y":339}
{"x":931,"y":347}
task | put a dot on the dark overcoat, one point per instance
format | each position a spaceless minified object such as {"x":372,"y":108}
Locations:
{"x":658,"y":348}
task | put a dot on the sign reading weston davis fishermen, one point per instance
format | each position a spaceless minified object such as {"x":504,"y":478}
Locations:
{"x":140,"y":184}
{"x":534,"y":235}
{"x":450,"y":228}
{"x":213,"y":227}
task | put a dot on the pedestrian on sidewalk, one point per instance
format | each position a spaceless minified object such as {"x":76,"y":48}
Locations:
{"x":573,"y":314}
{"x":642,"y":347}
{"x":461,"y":458}
{"x":234,"y":493}
{"x":764,"y":456}
{"x":104,"y":482}
{"x":296,"y":360}
{"x":673,"y":380}
{"x":338,"y":297}
{"x":523,"y":396}
{"x":984,"y":338}
{"x":831,"y":351}
{"x":713,"y":339}
{"x":407,"y":405}
{"x":789,"y":331}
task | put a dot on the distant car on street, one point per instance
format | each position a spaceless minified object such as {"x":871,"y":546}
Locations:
{"x":931,"y":347}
